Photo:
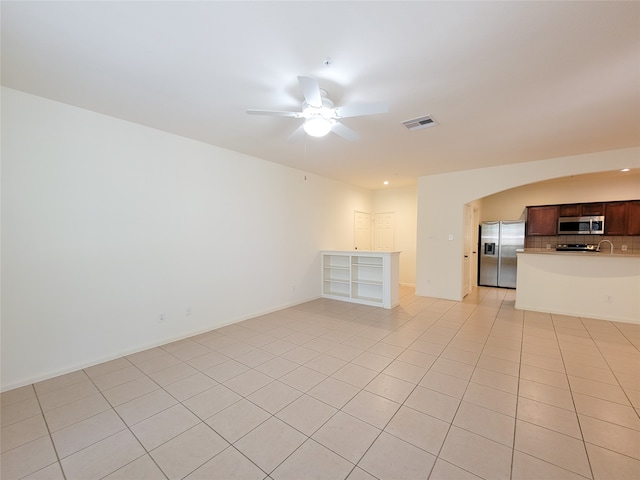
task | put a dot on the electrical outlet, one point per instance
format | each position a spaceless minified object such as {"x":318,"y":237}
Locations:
{"x":161,"y":318}
{"x":608,"y":298}
{"x":188,"y":311}
{"x":624,"y":248}
{"x":548,"y":246}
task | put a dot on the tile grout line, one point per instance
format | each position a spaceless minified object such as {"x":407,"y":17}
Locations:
{"x":308,"y":437}
{"x":604,"y":357}
{"x":545,"y":403}
{"x":200,"y":421}
{"x":274,"y":415}
{"x":437,"y":455}
{"x":619,"y":385}
{"x":584,"y":443}
{"x":55,"y":450}
{"x":461,"y":398}
{"x":127,"y":427}
{"x":493,"y":324}
{"x":391,"y":323}
{"x":390,"y":419}
{"x":355,"y":465}
{"x":515,"y":422}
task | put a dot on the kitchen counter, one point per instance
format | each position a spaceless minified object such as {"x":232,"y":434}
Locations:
{"x":584,"y":284}
{"x":604,"y":253}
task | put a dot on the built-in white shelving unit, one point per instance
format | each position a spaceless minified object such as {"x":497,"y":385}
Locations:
{"x":370,"y":278}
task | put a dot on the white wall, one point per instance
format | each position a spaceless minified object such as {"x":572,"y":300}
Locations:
{"x":403,"y":202}
{"x":106,"y":224}
{"x":441,"y":200}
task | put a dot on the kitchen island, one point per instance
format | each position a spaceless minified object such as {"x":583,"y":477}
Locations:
{"x":584,"y":284}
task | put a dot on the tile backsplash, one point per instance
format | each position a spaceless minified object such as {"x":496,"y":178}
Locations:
{"x":540,"y":243}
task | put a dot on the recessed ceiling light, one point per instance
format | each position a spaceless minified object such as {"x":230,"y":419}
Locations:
{"x":386,"y":182}
{"x":625,"y":169}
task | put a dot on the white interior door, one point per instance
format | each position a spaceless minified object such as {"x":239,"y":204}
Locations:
{"x":475,"y":241}
{"x":383,"y":228}
{"x":467,"y":249}
{"x":362,"y":231}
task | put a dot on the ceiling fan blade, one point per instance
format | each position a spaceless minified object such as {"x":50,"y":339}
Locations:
{"x":297,"y":134}
{"x":275,"y":113}
{"x":362,"y":109}
{"x":311,"y":91}
{"x":345,"y":132}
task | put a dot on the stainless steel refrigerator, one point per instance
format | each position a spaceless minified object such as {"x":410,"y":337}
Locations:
{"x":498,"y":244}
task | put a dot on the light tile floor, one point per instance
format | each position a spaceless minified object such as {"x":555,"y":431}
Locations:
{"x":326,"y":389}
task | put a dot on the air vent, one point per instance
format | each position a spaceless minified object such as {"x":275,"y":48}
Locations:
{"x":420,"y":122}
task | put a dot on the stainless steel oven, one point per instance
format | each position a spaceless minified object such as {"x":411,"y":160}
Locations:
{"x":589,"y":225}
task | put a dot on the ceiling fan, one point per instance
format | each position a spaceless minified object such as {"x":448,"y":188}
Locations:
{"x":319,"y":114}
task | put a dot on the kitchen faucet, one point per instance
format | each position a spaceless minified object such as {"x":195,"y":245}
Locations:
{"x":601,"y":242}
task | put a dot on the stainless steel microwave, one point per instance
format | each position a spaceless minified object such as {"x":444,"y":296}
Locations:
{"x":589,"y":225}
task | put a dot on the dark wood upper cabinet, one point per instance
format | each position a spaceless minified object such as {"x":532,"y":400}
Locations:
{"x":633,"y":217}
{"x":615,"y":218}
{"x":592,"y":209}
{"x":542,"y":220}
{"x":581,"y":209}
{"x":569,"y":210}
{"x":620,"y":218}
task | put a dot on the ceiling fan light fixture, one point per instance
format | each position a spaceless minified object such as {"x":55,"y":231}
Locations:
{"x":319,"y":114}
{"x":317,"y":126}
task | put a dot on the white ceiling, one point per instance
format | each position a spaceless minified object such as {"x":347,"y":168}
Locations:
{"x":507,"y":81}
